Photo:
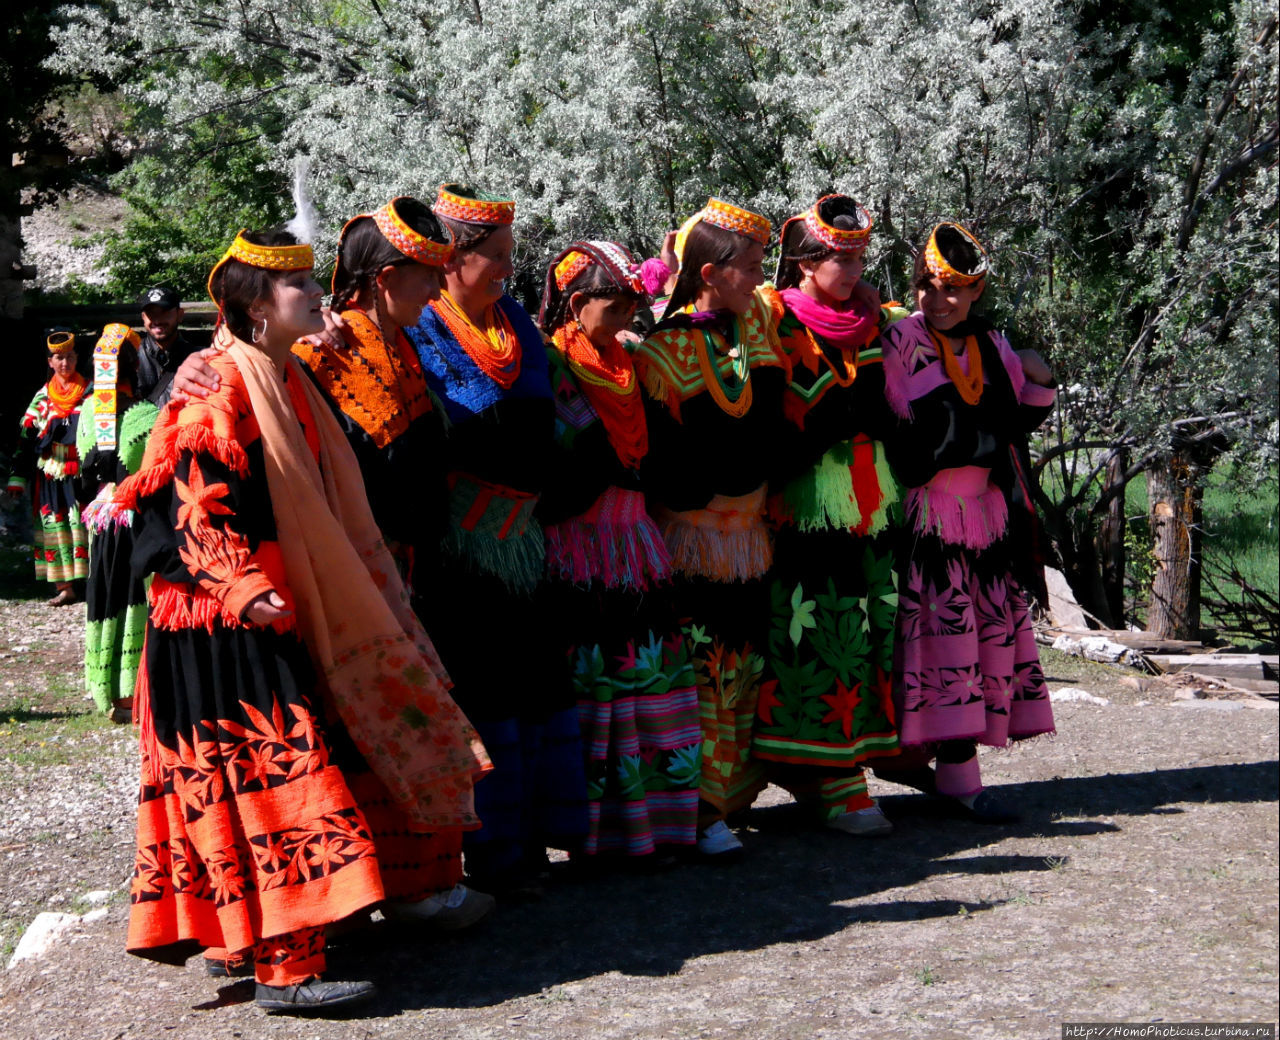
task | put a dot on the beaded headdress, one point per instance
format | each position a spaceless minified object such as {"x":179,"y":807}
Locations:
{"x":938,"y":266}
{"x":106,"y":374}
{"x":272,"y":258}
{"x":463,"y":203}
{"x":60,"y":341}
{"x":842,"y":240}
{"x":728,"y":217}
{"x":412,"y":243}
{"x":618,"y":263}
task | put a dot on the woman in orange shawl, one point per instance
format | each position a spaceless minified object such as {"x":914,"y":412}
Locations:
{"x":297,"y":735}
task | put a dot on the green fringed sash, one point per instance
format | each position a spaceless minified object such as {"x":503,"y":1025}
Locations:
{"x":843,"y":493}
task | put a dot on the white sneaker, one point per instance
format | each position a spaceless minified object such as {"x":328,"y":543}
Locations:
{"x":460,"y":907}
{"x":870,"y":822}
{"x":717,"y":839}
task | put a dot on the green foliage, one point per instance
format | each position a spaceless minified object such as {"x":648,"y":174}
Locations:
{"x":183,"y":214}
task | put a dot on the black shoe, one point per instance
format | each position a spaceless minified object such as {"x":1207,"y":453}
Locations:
{"x":312,"y":995}
{"x":922,"y":778}
{"x":227,"y":970}
{"x":988,"y":807}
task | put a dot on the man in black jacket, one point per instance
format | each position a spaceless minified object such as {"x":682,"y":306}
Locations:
{"x":164,"y":347}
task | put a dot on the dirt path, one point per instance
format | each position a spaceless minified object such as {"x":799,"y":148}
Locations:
{"x":1142,"y":885}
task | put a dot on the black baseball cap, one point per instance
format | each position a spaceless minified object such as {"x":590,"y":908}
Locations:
{"x":159,"y":296}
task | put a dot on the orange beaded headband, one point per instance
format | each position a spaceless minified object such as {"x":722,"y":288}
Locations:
{"x":937,"y":264}
{"x":459,"y":202}
{"x":842,"y":240}
{"x":271,"y":258}
{"x":740,"y":221}
{"x":413,"y":244}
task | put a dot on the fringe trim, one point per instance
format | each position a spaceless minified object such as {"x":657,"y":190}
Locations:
{"x":102,"y":513}
{"x":177,"y":608}
{"x":615,"y":542}
{"x":852,"y":488}
{"x":58,"y":469}
{"x":658,"y":388}
{"x":974,"y":521}
{"x":709,"y":551}
{"x":518,"y":562}
{"x":825,"y":498}
{"x":166,"y":445}
{"x":895,"y":382}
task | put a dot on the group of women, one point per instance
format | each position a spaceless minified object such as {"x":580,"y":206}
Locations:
{"x":443,"y":584}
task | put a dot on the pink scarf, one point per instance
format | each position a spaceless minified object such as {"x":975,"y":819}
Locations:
{"x":845,"y":330}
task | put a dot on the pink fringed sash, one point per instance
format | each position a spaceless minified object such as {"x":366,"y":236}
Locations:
{"x":960,"y":506}
{"x":103,"y":513}
{"x":615,"y":542}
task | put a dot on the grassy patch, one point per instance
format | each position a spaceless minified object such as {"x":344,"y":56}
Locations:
{"x":47,"y":733}
{"x":1077,"y":671}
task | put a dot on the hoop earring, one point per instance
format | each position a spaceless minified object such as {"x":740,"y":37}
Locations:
{"x":257,"y":336}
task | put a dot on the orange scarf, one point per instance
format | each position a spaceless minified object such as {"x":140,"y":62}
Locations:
{"x":495,"y":348}
{"x":373,"y":658}
{"x":63,"y":397}
{"x":608,"y":381}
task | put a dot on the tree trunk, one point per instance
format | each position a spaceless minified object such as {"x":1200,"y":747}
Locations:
{"x":1175,"y":492}
{"x":1111,"y":541}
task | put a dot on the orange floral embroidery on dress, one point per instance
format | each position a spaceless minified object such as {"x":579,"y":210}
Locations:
{"x":199,"y":499}
{"x":220,"y":761}
{"x":219,"y":559}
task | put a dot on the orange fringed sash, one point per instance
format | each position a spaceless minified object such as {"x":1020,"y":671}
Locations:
{"x":726,"y":541}
{"x":608,"y":381}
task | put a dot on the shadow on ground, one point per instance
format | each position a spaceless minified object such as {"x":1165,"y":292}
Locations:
{"x":788,"y":888}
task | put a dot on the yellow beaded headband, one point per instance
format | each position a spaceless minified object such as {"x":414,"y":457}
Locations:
{"x":570,"y":267}
{"x":270,"y":258}
{"x":937,"y":264}
{"x":62,"y":342}
{"x":459,"y":202}
{"x":842,"y":240}
{"x":113,"y":337}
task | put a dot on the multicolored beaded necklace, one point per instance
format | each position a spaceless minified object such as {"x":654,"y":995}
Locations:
{"x":734,"y":401}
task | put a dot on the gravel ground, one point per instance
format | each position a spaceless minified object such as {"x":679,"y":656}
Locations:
{"x":1141,"y":886}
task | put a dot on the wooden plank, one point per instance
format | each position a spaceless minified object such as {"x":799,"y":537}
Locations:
{"x":1143,"y":641}
{"x":1244,"y":666}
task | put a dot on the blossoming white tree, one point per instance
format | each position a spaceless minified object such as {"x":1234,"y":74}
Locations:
{"x":1119,"y":163}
